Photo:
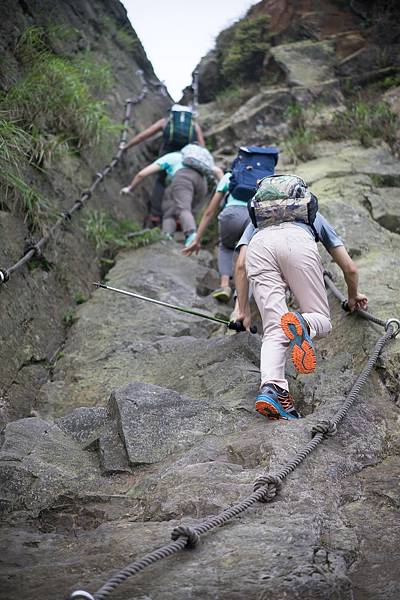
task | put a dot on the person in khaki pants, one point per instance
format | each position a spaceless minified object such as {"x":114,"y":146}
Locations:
{"x":282,"y":256}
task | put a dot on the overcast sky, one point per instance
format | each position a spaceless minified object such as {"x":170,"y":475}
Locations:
{"x":177,"y":33}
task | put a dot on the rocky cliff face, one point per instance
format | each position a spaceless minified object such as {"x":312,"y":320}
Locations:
{"x":147,"y":420}
{"x":40,"y":296}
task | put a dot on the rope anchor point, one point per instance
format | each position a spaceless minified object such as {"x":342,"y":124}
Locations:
{"x":393,"y":323}
{"x":80,"y":595}
{"x":4,"y":276}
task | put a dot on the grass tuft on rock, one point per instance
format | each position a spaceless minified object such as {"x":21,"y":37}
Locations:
{"x":110,"y":235}
{"x":300,"y":139}
{"x":365,"y":120}
{"x":51,"y":110}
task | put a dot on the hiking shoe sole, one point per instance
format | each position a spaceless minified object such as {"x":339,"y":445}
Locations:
{"x":222,"y":295}
{"x":270,"y":408}
{"x":303,"y":352}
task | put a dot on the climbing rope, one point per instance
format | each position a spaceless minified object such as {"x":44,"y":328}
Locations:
{"x":365,"y":314}
{"x":267,"y":485}
{"x":35,"y":248}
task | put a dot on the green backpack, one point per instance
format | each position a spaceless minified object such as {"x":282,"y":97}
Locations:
{"x":282,"y":199}
{"x":179,"y":130}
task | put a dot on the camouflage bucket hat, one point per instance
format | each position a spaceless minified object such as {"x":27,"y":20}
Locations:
{"x":282,"y":199}
{"x":281,"y":187}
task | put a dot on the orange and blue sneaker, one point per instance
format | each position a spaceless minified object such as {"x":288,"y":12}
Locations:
{"x":276,"y":403}
{"x":303,"y":351}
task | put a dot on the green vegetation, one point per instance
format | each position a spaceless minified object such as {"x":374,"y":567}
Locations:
{"x":242,"y":51}
{"x":385,"y":180}
{"x":127,"y":39}
{"x":69,"y":317}
{"x":16,"y":148}
{"x":110,"y":235}
{"x":80,"y":298}
{"x":365,"y":120}
{"x":232,"y":98}
{"x":388,"y":82}
{"x":300,"y":139}
{"x":49,"y":111}
{"x":57,"y":94}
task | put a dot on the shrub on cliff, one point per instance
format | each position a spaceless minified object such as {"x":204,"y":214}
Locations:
{"x":365,"y":120}
{"x":51,"y":109}
{"x":57,"y":94}
{"x":241,"y":50}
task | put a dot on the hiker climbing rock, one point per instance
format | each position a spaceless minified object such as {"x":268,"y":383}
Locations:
{"x":186,"y":172}
{"x":282,"y":252}
{"x":237,"y":186}
{"x":179,"y":129}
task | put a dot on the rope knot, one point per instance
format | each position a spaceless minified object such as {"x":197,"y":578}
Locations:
{"x":189,"y":533}
{"x":66,"y":215}
{"x":327,"y":428}
{"x":32,"y":245}
{"x":86,"y":195}
{"x":272,"y":485}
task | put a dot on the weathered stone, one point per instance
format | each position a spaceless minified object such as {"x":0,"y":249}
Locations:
{"x":332,"y":531}
{"x":131,"y":338}
{"x":209,"y":77}
{"x":35,"y":329}
{"x":306,"y":63}
{"x":385,"y":207}
{"x":44,"y":463}
{"x":113,"y":457}
{"x":155,"y":422}
{"x":261,"y":117}
{"x":84,"y":424}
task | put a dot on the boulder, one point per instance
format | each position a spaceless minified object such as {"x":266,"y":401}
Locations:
{"x":155,"y":422}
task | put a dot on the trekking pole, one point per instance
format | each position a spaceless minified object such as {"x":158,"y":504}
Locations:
{"x":235,"y":325}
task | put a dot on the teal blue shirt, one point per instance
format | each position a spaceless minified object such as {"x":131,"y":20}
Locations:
{"x":171,"y":163}
{"x":223,"y":186}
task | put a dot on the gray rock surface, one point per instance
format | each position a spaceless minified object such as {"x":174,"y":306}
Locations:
{"x":35,"y":329}
{"x":179,"y":439}
{"x":84,"y":424}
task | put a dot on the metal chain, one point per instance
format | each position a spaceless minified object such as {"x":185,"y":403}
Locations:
{"x":266,"y":486}
{"x":36,"y":249}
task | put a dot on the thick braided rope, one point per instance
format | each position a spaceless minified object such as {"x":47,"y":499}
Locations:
{"x":362,"y":378}
{"x":139,"y":565}
{"x":342,"y":299}
{"x":266,"y":486}
{"x":66,"y":215}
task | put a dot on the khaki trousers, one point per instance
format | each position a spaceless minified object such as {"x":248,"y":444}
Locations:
{"x":279,"y":257}
{"x":186,"y":191}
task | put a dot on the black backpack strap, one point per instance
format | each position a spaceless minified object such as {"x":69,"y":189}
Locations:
{"x":252,"y":214}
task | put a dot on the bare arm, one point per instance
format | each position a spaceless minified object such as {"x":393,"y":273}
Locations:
{"x":149,"y":170}
{"x":350,"y":273}
{"x":242,"y":288}
{"x":218,"y":173}
{"x":200,"y":136}
{"x":146,"y":134}
{"x":205,"y":219}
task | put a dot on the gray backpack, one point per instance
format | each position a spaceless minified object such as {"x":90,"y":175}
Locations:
{"x":198,"y":158}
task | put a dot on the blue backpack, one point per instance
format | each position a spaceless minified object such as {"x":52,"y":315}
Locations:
{"x":251,"y":164}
